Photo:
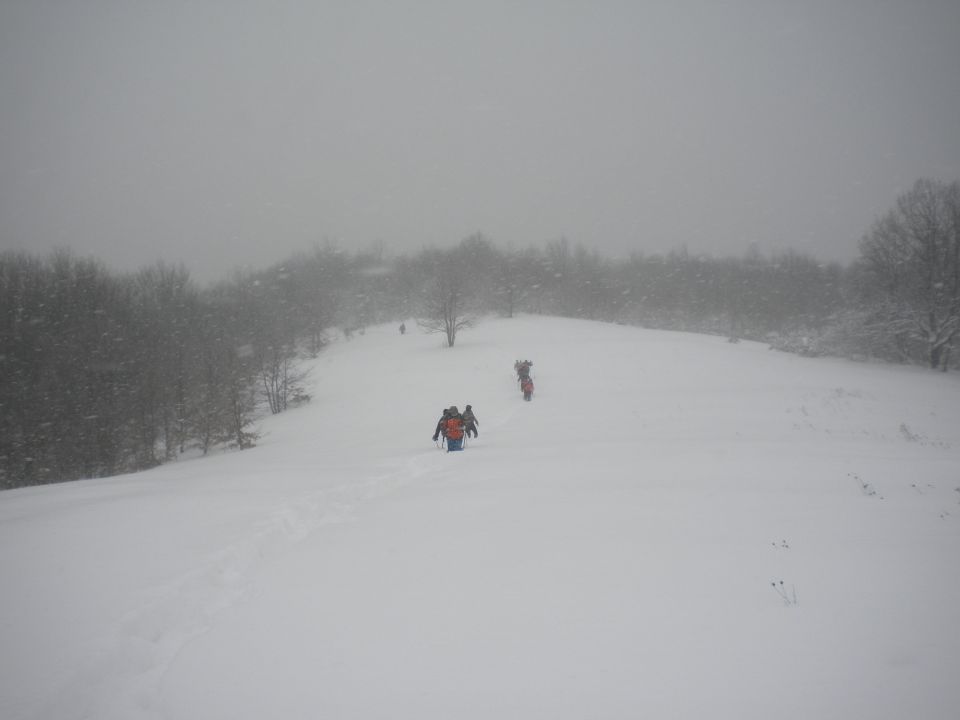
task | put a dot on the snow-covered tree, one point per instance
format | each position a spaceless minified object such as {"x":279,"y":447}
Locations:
{"x":913,"y":257}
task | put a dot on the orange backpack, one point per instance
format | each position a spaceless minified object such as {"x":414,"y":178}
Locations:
{"x":454,"y":428}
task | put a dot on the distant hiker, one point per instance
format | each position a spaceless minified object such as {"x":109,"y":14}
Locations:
{"x":523,"y":369}
{"x":470,"y":422}
{"x":526,"y":387}
{"x":454,"y":430}
{"x":403,"y":328}
{"x":441,"y":425}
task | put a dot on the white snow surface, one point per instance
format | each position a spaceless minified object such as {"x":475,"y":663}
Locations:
{"x":605,"y":551}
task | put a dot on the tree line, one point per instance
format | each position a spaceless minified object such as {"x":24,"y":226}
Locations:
{"x":104,"y":373}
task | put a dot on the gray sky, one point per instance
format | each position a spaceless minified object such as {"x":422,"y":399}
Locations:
{"x":234,"y":133}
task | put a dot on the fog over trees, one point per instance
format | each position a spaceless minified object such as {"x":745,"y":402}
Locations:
{"x":104,"y":373}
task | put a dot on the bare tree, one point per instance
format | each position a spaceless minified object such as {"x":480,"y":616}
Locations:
{"x":445,"y":303}
{"x":913,"y":255}
{"x":282,"y":378}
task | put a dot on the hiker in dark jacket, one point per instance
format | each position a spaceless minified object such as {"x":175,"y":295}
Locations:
{"x":470,"y":421}
{"x":523,"y":369}
{"x":441,"y":425}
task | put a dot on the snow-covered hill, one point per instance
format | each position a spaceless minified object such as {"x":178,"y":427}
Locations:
{"x":606,"y":551}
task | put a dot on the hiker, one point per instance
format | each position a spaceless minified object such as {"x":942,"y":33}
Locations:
{"x":403,"y":328}
{"x":470,"y":422}
{"x":523,"y":369}
{"x":441,"y":425}
{"x":526,"y":387}
{"x":454,"y":430}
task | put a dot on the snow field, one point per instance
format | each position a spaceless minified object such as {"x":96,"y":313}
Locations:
{"x":606,"y":550}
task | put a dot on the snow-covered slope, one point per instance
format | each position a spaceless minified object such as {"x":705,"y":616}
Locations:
{"x":605,"y":551}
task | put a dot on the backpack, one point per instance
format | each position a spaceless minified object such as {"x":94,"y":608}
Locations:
{"x":454,"y":426}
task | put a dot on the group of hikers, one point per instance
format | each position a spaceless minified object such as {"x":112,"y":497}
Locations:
{"x":453,"y":426}
{"x":523,"y":377}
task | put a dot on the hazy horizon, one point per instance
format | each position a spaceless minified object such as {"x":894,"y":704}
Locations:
{"x":224,"y":134}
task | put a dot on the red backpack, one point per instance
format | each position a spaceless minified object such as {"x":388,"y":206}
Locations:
{"x":454,"y":428}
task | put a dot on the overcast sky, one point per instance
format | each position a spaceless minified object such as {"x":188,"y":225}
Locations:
{"x":224,"y":134}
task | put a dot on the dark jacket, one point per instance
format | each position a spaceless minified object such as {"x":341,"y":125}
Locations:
{"x":470,"y":423}
{"x":441,"y":425}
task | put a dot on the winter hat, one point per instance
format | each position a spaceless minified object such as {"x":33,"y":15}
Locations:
{"x":453,"y":410}
{"x":469,"y":406}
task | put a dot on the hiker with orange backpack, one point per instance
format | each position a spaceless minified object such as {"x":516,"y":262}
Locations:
{"x":453,"y":430}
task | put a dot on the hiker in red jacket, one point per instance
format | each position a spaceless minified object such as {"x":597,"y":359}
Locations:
{"x":526,"y":387}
